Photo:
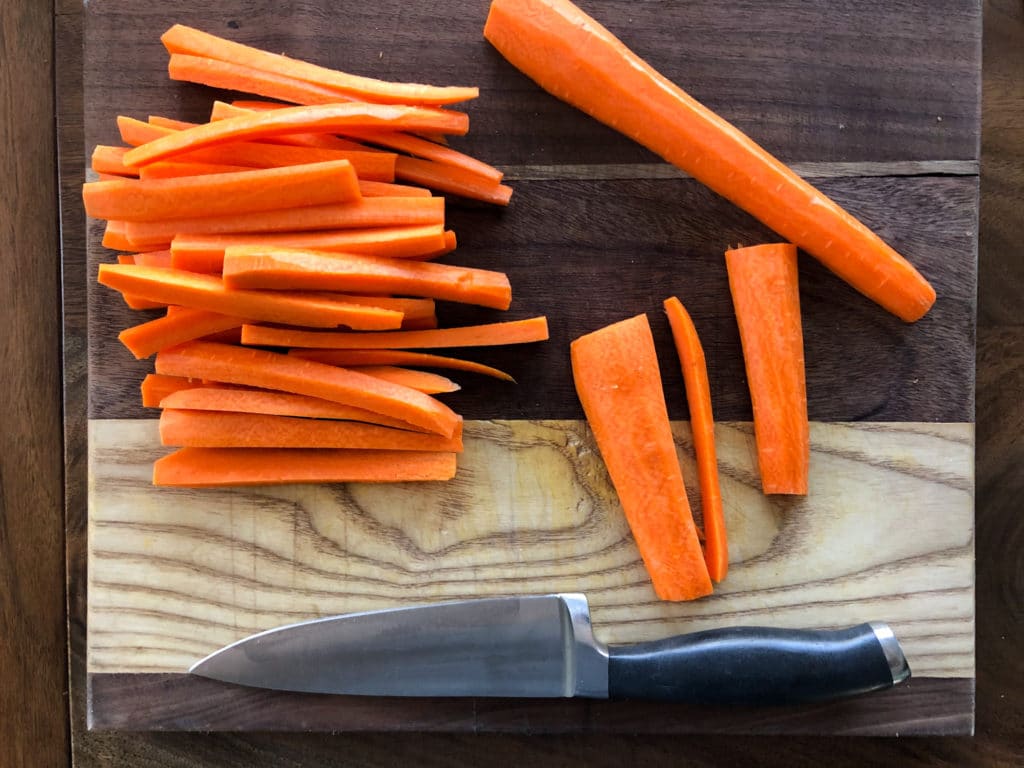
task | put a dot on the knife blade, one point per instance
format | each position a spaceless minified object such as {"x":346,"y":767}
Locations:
{"x":544,"y":646}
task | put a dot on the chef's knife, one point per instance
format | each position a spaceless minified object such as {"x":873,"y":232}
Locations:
{"x":544,"y":646}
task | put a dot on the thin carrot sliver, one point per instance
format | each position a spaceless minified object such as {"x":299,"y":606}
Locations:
{"x":177,"y":327}
{"x":357,"y":357}
{"x":387,"y":189}
{"x":172,"y":169}
{"x":451,"y":180}
{"x":428,"y":383}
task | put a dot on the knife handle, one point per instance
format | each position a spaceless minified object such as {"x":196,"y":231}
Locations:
{"x":758,"y":665}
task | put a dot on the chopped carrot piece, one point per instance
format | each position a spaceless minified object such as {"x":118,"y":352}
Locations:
{"x":357,"y":357}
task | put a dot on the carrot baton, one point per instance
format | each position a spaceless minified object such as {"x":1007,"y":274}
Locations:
{"x":576,"y":59}
{"x":389,"y":189}
{"x":452,"y":180}
{"x":702,"y":421}
{"x":177,"y":327}
{"x":111,"y":160}
{"x":358,"y":357}
{"x":173,"y":169}
{"x":763,"y":283}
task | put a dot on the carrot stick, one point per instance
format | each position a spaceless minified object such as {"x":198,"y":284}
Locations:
{"x":217,"y":467}
{"x":196,"y":396}
{"x":222,"y":194}
{"x":386,"y":189}
{"x":169,"y":122}
{"x":359,"y":214}
{"x":205,"y":253}
{"x":702,"y":421}
{"x":572,"y":56}
{"x":172,"y":169}
{"x":134,"y":302}
{"x":358,"y":357}
{"x":181,"y":39}
{"x":260,"y":267}
{"x":428,"y":383}
{"x":411,"y":308}
{"x":219,"y":429}
{"x":185,"y":325}
{"x":207,"y":292}
{"x":619,"y":385}
{"x":115,"y":238}
{"x":322,"y":118}
{"x":111,"y":160}
{"x":155,"y":387}
{"x":428,"y":150}
{"x":222,"y":110}
{"x":152,"y":258}
{"x":765,"y":294}
{"x":269,"y":370}
{"x":492,"y":334}
{"x":449,"y":179}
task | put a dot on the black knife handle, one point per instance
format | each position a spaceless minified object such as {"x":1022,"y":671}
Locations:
{"x":758,"y":665}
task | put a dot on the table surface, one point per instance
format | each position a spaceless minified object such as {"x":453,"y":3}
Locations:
{"x":42,"y":706}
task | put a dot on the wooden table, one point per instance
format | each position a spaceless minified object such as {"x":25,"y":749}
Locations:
{"x":32,"y":533}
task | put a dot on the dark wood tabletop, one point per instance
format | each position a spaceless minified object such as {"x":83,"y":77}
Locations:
{"x":42,"y":526}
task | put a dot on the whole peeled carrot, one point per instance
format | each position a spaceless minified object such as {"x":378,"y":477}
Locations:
{"x":573,"y":57}
{"x":763,"y":283}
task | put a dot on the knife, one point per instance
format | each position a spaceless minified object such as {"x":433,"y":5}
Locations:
{"x":544,"y":646}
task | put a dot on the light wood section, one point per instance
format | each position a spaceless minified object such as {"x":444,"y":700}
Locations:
{"x":886,"y":533}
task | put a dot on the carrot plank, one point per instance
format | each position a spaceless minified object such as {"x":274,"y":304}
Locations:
{"x":576,"y":59}
{"x":208,"y":292}
{"x":491,"y":334}
{"x":260,"y":267}
{"x":177,"y":327}
{"x":452,"y":180}
{"x":219,"y":467}
{"x":219,"y":429}
{"x":765,"y":295}
{"x":269,"y":370}
{"x":702,"y":420}
{"x":358,"y":357}
{"x":428,"y":383}
{"x":619,"y":385}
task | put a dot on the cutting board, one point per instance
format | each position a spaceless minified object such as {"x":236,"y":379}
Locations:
{"x":877,"y":105}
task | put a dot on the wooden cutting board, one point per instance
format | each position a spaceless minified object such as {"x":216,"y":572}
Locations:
{"x":879,"y":105}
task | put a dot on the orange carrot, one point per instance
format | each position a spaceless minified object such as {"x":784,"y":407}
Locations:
{"x":134,"y":302}
{"x":111,"y":160}
{"x":702,"y":421}
{"x":359,"y":214}
{"x":260,"y":267}
{"x":181,"y":39}
{"x":765,"y":294}
{"x":619,"y":385}
{"x":572,"y":56}
{"x":386,"y":189}
{"x":156,"y":387}
{"x":169,"y":122}
{"x":269,"y":370}
{"x":219,"y":429}
{"x":205,"y":253}
{"x":222,"y":110}
{"x":411,"y":309}
{"x":172,"y":169}
{"x":322,"y":118}
{"x":428,"y":150}
{"x":492,"y":334}
{"x":184,"y":325}
{"x":428,"y":383}
{"x":217,"y":467}
{"x":222,"y":194}
{"x":151,"y":258}
{"x":196,"y":396}
{"x":358,"y":357}
{"x":115,"y":238}
{"x":449,"y":179}
{"x":207,"y":292}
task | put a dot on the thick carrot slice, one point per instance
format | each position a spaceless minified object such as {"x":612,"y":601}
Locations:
{"x":207,"y":292}
{"x":449,"y":179}
{"x":619,"y":385}
{"x":205,"y":253}
{"x":491,"y":334}
{"x":181,"y":39}
{"x":172,"y":169}
{"x":428,"y":383}
{"x":702,"y":420}
{"x":218,"y":467}
{"x":386,"y":189}
{"x":111,"y":160}
{"x":184,"y":325}
{"x":765,"y":294}
{"x":222,"y":194}
{"x":322,"y":118}
{"x":219,"y":429}
{"x":359,"y":214}
{"x":572,"y":56}
{"x":196,"y":396}
{"x":358,"y":357}
{"x":269,"y":370}
{"x":259,"y":267}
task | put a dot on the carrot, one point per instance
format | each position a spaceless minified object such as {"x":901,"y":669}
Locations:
{"x":135,"y":302}
{"x":357,"y":357}
{"x":196,"y":396}
{"x":187,"y":324}
{"x":702,"y":421}
{"x":619,"y":385}
{"x":181,"y":39}
{"x":169,"y":122}
{"x":219,"y":429}
{"x":222,"y":194}
{"x":115,"y":237}
{"x":428,"y":150}
{"x":111,"y":160}
{"x":322,"y":118}
{"x":207,"y":292}
{"x":156,"y":387}
{"x":205,"y":253}
{"x":172,"y":169}
{"x":765,"y":294}
{"x":428,"y":383}
{"x":386,"y":189}
{"x":222,"y":110}
{"x":448,"y":178}
{"x":217,"y":467}
{"x":152,"y":258}
{"x":492,"y":334}
{"x":411,"y":308}
{"x":572,"y":56}
{"x":269,"y":370}
{"x":359,"y":214}
{"x":257,"y":266}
